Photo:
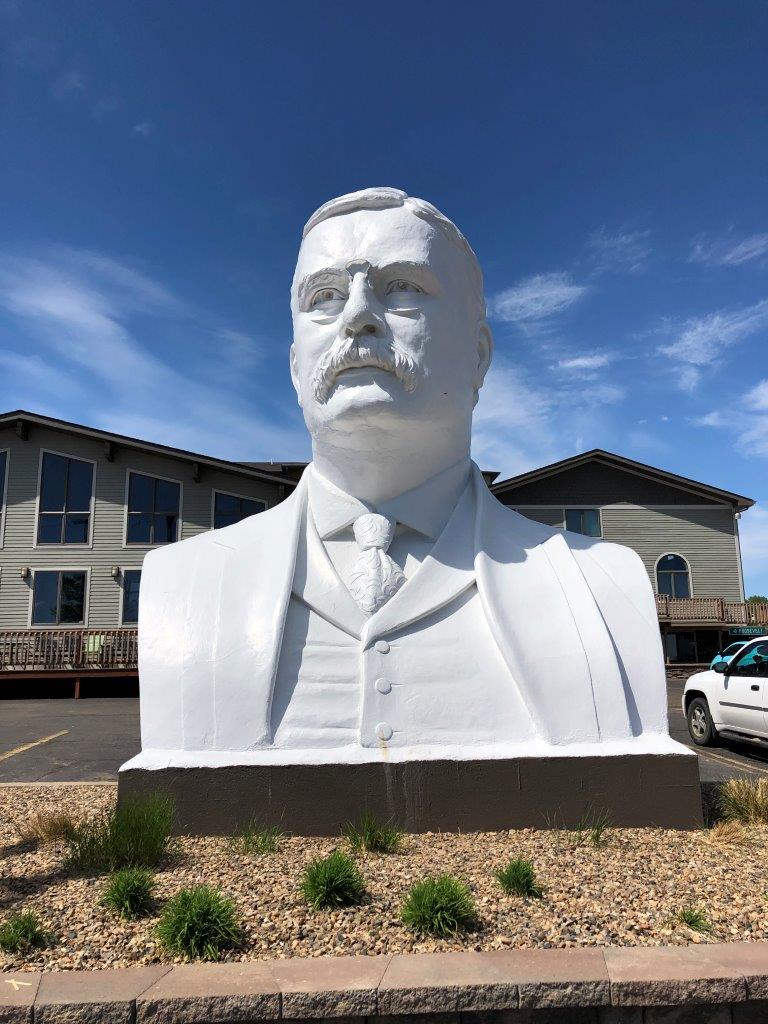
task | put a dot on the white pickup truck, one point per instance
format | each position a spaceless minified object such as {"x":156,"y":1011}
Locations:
{"x":730,"y":698}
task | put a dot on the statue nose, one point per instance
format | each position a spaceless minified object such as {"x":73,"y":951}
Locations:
{"x":351,"y":331}
{"x":359,"y":316}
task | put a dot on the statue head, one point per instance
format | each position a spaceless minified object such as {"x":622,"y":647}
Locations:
{"x":388,"y":319}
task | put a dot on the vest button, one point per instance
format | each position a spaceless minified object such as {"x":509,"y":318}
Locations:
{"x":383,"y":685}
{"x":381,"y":646}
{"x":384,"y":731}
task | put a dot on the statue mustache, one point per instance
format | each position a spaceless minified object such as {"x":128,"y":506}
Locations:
{"x":349,"y":353}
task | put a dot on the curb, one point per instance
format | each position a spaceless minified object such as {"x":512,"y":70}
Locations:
{"x":615,"y":985}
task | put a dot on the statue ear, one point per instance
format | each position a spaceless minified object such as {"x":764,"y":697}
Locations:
{"x":295,"y":374}
{"x":484,"y":353}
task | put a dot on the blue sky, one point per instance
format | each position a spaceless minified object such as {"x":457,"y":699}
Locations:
{"x":606,"y":160}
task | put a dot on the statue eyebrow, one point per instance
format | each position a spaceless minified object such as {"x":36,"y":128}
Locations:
{"x":420,"y":272}
{"x":334,"y":275}
{"x":328,"y":275}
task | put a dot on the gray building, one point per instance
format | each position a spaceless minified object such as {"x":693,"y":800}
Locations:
{"x":81,"y":507}
{"x":686,"y":532}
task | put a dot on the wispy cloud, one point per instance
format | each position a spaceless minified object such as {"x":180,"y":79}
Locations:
{"x":83,"y":315}
{"x":521,"y":423}
{"x":585,"y":363}
{"x":746,"y":418}
{"x":512,"y":426}
{"x":701,"y":341}
{"x":621,"y":252}
{"x":142,"y":130}
{"x":725,"y":252}
{"x":757,"y":397}
{"x":603,"y":394}
{"x":537,"y":298}
{"x":67,"y":86}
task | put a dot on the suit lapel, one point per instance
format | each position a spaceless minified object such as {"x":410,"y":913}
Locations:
{"x":318,"y":584}
{"x":447,"y":571}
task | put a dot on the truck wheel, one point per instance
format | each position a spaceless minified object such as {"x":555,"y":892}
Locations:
{"x":700,"y":725}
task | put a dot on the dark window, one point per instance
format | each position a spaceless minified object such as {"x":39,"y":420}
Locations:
{"x":153,"y":510}
{"x":753,"y":661}
{"x":672,"y":577}
{"x":131,"y":581}
{"x":66,"y":486}
{"x":681,"y":647}
{"x":59,"y":598}
{"x":583,"y":520}
{"x":229,"y":509}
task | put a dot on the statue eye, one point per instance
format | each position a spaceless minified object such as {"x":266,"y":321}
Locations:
{"x":325,"y":295}
{"x":402,"y":286}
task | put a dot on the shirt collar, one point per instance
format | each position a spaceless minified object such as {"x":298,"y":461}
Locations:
{"x":425,"y":508}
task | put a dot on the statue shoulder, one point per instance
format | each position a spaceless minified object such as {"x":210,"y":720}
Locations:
{"x":211,"y":545}
{"x":602,"y":561}
{"x":617,"y":559}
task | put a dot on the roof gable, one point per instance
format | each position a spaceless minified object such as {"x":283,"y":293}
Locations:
{"x":598,"y":477}
{"x":20,"y":417}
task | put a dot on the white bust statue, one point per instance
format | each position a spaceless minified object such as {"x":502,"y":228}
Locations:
{"x":391,"y":608}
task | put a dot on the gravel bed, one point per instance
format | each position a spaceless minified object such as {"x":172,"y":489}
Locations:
{"x":623,"y":893}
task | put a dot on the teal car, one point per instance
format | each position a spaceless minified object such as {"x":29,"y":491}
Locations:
{"x":728,"y":653}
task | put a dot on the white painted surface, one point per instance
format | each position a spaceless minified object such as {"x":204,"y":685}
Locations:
{"x":507,"y":639}
{"x":156,"y":759}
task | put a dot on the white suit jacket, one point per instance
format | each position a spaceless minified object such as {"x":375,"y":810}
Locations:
{"x":574,"y":619}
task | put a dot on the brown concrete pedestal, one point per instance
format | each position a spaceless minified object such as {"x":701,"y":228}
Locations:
{"x":656,"y":790}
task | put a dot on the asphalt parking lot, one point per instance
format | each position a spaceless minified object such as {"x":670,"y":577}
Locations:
{"x":87,"y":741}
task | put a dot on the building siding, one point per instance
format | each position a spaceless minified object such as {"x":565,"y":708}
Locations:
{"x":705,"y":537}
{"x":552,"y":516}
{"x":650,"y":516}
{"x":107,"y":532}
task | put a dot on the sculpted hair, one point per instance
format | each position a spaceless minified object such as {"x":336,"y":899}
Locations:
{"x":384,"y":198}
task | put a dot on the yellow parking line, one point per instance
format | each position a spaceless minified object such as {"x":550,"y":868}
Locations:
{"x":36,"y":743}
{"x":733,"y":764}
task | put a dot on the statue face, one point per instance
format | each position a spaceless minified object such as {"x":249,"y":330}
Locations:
{"x":386,"y":332}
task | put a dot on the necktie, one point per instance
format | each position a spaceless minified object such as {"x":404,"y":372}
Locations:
{"x":375,"y":577}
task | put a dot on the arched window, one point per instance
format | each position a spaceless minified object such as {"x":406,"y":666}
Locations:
{"x":673,"y":577}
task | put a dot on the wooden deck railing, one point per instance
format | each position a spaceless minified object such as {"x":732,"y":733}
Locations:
{"x":68,"y":650}
{"x":712,"y":610}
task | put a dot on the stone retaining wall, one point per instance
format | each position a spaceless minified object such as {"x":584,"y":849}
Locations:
{"x":722,"y":984}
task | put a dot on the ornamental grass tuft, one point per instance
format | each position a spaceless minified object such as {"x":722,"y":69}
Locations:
{"x":518,"y":878}
{"x":728,"y":833}
{"x":332,"y":881}
{"x":693,"y":918}
{"x":137,"y":834}
{"x":199,"y":924}
{"x":593,"y":828}
{"x":21,"y":932}
{"x":47,"y":827}
{"x":372,"y":836}
{"x":129,"y":892}
{"x":440,"y":906}
{"x":744,"y":800}
{"x":254,"y":840}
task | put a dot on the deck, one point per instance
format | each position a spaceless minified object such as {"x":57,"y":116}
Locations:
{"x":710,"y":611}
{"x":53,"y":652}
